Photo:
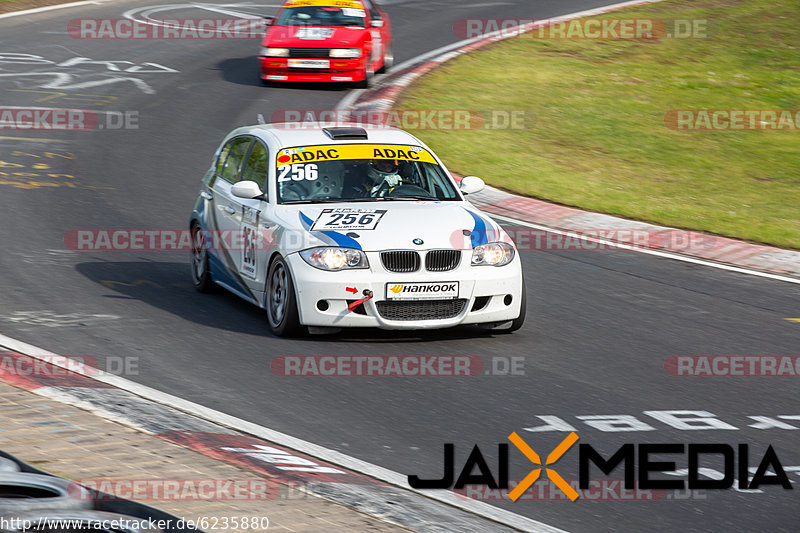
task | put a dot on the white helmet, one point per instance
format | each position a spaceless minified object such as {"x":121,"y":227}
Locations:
{"x":380,"y":170}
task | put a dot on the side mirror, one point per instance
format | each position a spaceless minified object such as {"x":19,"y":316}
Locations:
{"x":471,"y":185}
{"x":248,"y":190}
{"x":377,"y":23}
{"x":270,"y":21}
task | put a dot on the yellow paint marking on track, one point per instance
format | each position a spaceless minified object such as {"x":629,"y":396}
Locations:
{"x":33,"y":140}
{"x":99,"y":99}
{"x":792,"y":319}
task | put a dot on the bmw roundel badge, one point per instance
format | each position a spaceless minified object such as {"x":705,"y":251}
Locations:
{"x":417,"y":241}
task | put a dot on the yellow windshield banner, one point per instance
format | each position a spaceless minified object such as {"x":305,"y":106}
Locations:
{"x":335,"y":152}
{"x":353,"y":4}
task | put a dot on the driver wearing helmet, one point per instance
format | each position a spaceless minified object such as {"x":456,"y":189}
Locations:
{"x":384,"y":174}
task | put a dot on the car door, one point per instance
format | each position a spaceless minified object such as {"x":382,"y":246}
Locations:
{"x":224,"y":221}
{"x":386,"y":29}
{"x":255,"y":221}
{"x":376,"y":34}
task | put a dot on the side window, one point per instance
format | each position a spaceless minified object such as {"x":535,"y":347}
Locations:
{"x":257,"y":166}
{"x":223,"y":154}
{"x":375,"y":11}
{"x":233,"y":161}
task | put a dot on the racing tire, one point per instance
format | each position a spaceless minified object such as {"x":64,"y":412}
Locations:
{"x":281,"y":301}
{"x":23,"y":492}
{"x":517,"y":322}
{"x":388,"y":61}
{"x":84,"y":520}
{"x":369,"y":77}
{"x":523,"y":311}
{"x":201,"y":275}
{"x":7,"y":465}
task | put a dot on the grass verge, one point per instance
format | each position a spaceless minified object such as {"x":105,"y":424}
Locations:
{"x":599,"y":139}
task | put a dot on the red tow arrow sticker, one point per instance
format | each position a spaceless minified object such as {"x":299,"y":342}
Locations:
{"x":351,"y":289}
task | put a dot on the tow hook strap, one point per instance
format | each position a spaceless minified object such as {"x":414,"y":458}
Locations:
{"x":367,"y":296}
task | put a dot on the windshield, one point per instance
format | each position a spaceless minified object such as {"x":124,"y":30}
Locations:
{"x":320,"y":15}
{"x":360,"y":173}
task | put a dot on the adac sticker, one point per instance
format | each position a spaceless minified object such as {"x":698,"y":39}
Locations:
{"x":309,"y":154}
{"x":352,"y":4}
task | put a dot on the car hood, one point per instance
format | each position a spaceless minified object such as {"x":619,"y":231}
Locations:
{"x":437,"y":225}
{"x":287,"y":37}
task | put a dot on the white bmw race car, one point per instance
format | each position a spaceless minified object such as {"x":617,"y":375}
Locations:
{"x":348,"y":226}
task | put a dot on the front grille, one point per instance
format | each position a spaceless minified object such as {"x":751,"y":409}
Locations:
{"x":442,"y":260}
{"x":310,"y":53}
{"x":421,"y":310}
{"x":400,"y":261}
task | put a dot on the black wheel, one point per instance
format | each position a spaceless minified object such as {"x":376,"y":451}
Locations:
{"x":281,"y":303}
{"x":523,"y":310}
{"x":369,"y":76}
{"x":388,"y":61}
{"x":201,"y":276}
{"x":517,"y":322}
{"x":23,"y":492}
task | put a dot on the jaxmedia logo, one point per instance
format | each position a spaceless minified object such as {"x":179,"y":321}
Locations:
{"x":736,"y":462}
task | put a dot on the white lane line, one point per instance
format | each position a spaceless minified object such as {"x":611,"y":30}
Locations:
{"x":352,"y":96}
{"x":667,"y":255}
{"x":48,"y":8}
{"x":396,"y":479}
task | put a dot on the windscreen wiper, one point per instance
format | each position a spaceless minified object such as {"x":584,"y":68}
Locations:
{"x":410,"y":198}
{"x":331,"y":201}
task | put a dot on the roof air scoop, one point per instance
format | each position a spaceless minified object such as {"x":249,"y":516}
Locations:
{"x":338,"y":134}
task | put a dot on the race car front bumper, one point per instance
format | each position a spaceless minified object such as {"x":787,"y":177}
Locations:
{"x":486,"y":294}
{"x":339,"y":70}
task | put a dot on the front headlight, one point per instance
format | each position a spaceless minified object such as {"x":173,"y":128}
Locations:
{"x":274,"y":52}
{"x":329,"y":258}
{"x":345,"y":53}
{"x":493,"y":254}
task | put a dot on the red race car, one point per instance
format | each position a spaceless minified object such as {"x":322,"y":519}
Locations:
{"x":327,"y":41}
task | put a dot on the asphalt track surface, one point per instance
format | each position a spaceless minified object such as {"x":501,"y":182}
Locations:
{"x":600,"y":323}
